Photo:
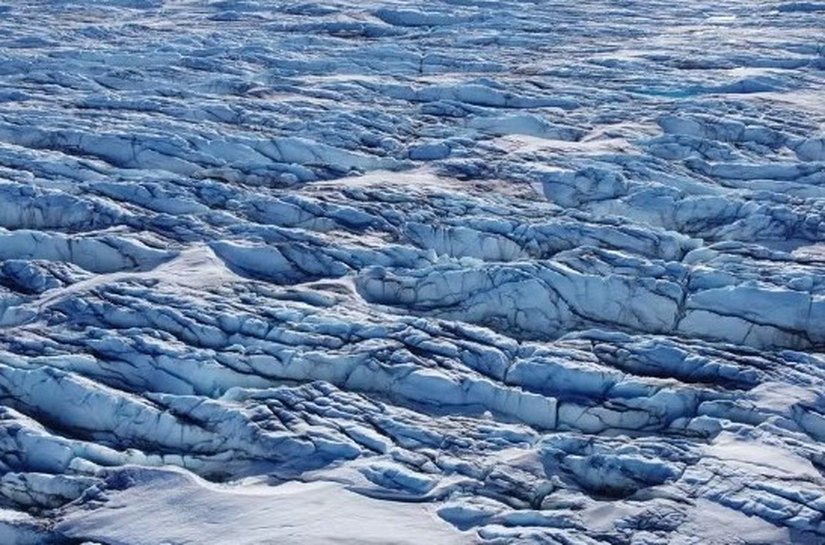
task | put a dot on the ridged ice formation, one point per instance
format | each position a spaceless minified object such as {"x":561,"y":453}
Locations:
{"x":494,"y":271}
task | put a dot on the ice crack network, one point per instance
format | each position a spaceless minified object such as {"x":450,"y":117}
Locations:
{"x":488,"y":272}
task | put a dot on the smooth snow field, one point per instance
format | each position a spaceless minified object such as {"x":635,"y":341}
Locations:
{"x":435,"y":272}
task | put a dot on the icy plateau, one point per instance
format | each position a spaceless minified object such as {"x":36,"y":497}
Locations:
{"x":418,"y":272}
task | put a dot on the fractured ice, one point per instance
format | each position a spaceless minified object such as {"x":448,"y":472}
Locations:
{"x":454,"y":271}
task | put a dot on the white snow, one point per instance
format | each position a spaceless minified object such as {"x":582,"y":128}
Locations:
{"x":161,"y":505}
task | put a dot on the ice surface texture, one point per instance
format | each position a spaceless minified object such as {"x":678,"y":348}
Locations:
{"x":453,"y":271}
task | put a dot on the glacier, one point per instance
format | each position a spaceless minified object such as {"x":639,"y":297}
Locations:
{"x":492,"y":272}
